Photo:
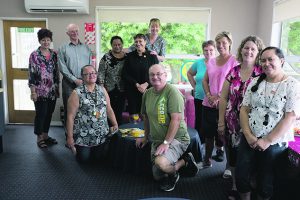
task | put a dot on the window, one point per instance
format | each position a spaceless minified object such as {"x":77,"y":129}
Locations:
{"x":184,"y":29}
{"x":287,"y":26}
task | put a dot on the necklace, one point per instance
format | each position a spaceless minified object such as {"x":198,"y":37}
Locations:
{"x":266,"y":120}
{"x":93,"y":96}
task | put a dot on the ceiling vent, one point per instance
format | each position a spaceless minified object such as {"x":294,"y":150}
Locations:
{"x":57,"y":6}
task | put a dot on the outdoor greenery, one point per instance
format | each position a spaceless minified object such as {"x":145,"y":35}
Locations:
{"x":185,"y":39}
{"x":290,"y":41}
{"x":182,"y":39}
{"x":294,"y":38}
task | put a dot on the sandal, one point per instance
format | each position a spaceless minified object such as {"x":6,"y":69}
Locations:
{"x":233,"y":195}
{"x":50,"y":141}
{"x":42,"y":144}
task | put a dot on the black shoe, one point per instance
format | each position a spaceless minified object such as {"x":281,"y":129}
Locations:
{"x":191,"y":168}
{"x":168,"y":183}
{"x":219,"y":157}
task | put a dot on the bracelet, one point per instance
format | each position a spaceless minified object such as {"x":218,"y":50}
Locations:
{"x":33,"y":93}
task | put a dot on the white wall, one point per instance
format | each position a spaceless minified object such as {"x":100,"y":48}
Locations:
{"x":240,"y":17}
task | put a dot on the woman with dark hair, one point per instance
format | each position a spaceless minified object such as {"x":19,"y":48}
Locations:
{"x":87,"y":122}
{"x":232,"y":94}
{"x":135,"y":74}
{"x":44,"y":86}
{"x":269,"y":109}
{"x":109,"y":76}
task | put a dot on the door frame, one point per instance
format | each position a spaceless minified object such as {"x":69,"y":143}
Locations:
{"x":3,"y":60}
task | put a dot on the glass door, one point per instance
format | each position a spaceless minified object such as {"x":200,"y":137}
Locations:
{"x":20,"y":40}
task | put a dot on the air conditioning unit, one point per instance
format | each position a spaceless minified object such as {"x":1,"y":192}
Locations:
{"x":57,"y":6}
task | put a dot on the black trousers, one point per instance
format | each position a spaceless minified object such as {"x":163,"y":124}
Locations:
{"x":117,"y":101}
{"x":43,"y":115}
{"x":198,"y":119}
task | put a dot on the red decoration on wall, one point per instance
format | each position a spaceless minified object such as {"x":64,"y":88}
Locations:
{"x":89,"y":33}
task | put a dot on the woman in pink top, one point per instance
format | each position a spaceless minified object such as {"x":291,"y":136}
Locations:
{"x":217,"y":69}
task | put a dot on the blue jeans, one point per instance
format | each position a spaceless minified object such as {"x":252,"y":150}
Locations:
{"x":263,"y":162}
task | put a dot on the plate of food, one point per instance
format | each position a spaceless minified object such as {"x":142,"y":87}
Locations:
{"x":132,"y":132}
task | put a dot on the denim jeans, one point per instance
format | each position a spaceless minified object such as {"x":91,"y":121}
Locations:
{"x":264,"y":164}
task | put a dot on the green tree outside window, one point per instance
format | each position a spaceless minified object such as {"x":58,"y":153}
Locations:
{"x":182,"y":39}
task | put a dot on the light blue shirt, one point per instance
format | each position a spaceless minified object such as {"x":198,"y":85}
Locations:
{"x":200,"y":68}
{"x":71,"y":58}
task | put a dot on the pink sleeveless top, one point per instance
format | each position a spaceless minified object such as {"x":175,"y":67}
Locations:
{"x":216,"y":76}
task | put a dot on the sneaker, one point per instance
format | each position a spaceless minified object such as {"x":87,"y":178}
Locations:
{"x":219,"y":157}
{"x":168,"y":183}
{"x":205,"y":164}
{"x":191,"y":168}
{"x":227,"y":174}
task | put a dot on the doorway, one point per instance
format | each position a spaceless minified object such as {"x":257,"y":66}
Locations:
{"x":20,"y":39}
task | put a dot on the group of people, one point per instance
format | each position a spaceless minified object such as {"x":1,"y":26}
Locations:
{"x":248,"y":104}
{"x":245,"y":106}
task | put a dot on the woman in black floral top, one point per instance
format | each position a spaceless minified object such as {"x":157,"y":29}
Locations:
{"x":109,"y":76}
{"x":44,"y":86}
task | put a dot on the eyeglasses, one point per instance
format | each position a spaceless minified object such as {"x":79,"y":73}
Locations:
{"x":157,"y":74}
{"x":90,"y":74}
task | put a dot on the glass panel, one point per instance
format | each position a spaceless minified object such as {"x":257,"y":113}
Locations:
{"x":22,"y":95}
{"x":177,"y":69}
{"x":23,"y":42}
{"x":193,"y":33}
{"x":292,"y":69}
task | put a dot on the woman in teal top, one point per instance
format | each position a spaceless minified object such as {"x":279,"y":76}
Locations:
{"x":195,"y":75}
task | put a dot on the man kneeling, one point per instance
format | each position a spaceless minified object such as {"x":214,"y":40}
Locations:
{"x":163,"y":111}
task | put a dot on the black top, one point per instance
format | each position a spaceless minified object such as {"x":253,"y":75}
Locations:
{"x":136,"y":70}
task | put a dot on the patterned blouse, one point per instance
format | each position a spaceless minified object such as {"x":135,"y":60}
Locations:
{"x":237,"y":90}
{"x":90,"y":123}
{"x":110,"y":70}
{"x":159,"y":45}
{"x":44,"y":75}
{"x":274,"y":100}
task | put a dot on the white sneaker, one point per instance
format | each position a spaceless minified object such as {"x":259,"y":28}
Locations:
{"x":227,"y":174}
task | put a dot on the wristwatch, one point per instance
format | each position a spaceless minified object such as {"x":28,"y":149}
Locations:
{"x":166,"y":142}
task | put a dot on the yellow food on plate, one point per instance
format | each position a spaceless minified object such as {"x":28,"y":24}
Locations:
{"x":137,"y":132}
{"x":125,"y":130}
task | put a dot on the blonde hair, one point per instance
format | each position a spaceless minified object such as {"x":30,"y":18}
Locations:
{"x":154,"y":21}
{"x":225,"y":34}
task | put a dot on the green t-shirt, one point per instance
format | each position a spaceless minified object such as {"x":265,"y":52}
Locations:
{"x":158,"y":107}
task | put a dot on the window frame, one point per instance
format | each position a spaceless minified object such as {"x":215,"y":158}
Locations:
{"x":168,"y":56}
